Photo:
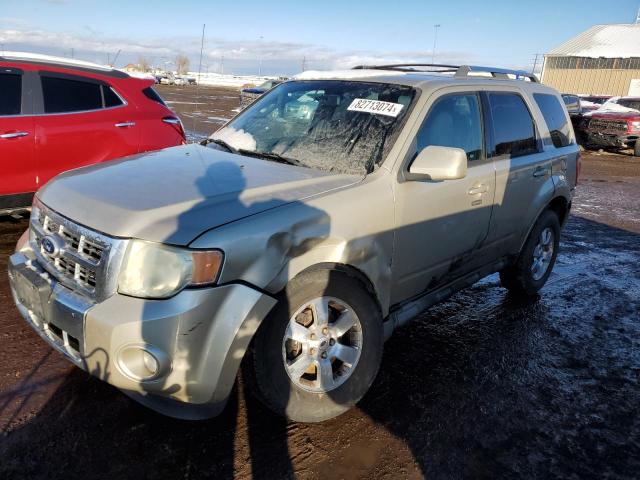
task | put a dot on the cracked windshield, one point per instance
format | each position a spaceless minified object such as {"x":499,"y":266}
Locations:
{"x":334,"y":126}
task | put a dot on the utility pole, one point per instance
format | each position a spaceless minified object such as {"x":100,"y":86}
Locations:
{"x":435,"y":40}
{"x":198,"y":83}
{"x":535,"y":63}
{"x":201,"y":49}
{"x":260,"y":58}
{"x":304,"y":63}
{"x":638,"y":16}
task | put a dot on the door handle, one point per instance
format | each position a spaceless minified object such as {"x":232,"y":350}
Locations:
{"x":540,"y":172}
{"x":14,"y":135}
{"x":125,"y":124}
{"x":480,"y":188}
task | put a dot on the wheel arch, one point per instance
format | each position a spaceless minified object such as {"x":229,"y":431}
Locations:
{"x":559,"y":205}
{"x":349,"y":271}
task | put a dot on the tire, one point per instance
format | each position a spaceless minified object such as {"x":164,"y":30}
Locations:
{"x":273,"y":372}
{"x":522,"y":278}
{"x":636,"y":149}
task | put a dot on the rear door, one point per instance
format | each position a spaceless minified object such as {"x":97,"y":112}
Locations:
{"x":523,"y":169}
{"x":18,"y":179}
{"x":83,"y":121}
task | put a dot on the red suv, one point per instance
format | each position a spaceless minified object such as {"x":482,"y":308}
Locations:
{"x":57,"y":114}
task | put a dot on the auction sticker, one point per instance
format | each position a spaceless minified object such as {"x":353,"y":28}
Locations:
{"x":375,"y":106}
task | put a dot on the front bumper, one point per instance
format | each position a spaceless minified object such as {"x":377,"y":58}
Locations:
{"x":201,"y":335}
{"x":604,"y":139}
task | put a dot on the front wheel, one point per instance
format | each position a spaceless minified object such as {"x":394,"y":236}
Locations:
{"x":537,"y":258}
{"x":318,"y":352}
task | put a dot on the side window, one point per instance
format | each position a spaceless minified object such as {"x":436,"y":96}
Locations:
{"x":66,"y":95}
{"x":10,"y":93}
{"x":513,"y":128}
{"x":454,"y":121}
{"x":110,"y":97}
{"x":556,"y":119}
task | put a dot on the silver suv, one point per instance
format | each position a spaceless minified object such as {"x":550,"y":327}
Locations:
{"x":331,"y":211}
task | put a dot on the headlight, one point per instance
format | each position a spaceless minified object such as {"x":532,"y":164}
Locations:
{"x":153,"y":270}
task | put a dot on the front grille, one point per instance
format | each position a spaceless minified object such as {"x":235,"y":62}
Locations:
{"x":81,"y":258}
{"x":68,"y":264}
{"x":601,"y":124}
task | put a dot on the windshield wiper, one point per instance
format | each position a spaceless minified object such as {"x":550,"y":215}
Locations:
{"x":222,"y":143}
{"x":276,"y":157}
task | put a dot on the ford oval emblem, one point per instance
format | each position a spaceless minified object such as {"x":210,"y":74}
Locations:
{"x":51,"y":245}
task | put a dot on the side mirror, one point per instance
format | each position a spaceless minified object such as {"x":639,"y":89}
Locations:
{"x":572,"y":103}
{"x":439,"y":163}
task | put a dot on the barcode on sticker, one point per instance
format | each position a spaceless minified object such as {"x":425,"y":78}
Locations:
{"x":389,"y":109}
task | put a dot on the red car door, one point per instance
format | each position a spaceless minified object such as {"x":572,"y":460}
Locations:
{"x":83,"y":122}
{"x":18,"y":178}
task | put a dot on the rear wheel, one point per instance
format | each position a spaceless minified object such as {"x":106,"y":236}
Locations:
{"x":537,"y":258}
{"x":318,"y":352}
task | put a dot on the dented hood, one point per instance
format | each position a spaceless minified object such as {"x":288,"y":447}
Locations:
{"x":174,"y":195}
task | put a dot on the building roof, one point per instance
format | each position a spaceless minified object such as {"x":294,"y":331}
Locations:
{"x":609,"y":41}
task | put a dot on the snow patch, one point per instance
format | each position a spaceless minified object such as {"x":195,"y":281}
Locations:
{"x":227,"y":80}
{"x":38,"y":57}
{"x":238,"y":139}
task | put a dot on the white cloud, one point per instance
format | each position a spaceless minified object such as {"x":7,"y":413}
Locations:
{"x":92,"y":45}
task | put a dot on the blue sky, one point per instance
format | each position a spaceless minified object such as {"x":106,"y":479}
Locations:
{"x":329,"y":33}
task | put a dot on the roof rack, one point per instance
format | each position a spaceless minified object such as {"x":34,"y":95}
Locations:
{"x":404,"y":67}
{"x":495,"y":72}
{"x":458,"y":70}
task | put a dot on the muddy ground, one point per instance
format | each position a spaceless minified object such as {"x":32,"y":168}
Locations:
{"x":482,"y":386}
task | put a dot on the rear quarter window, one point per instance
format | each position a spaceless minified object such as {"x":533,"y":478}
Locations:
{"x":10,"y":93}
{"x":151,"y":94}
{"x":555,"y":117}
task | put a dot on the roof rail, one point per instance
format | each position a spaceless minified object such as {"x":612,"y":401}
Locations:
{"x":409,"y":67}
{"x":458,"y":70}
{"x":502,"y":73}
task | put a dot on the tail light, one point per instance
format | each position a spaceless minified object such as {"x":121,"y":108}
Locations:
{"x":175,"y":123}
{"x":578,"y":166}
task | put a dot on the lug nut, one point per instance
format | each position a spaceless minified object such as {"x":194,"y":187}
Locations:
{"x":325,"y":330}
{"x":332,"y":342}
{"x":324,"y":355}
{"x":312,"y":351}
{"x":312,"y":336}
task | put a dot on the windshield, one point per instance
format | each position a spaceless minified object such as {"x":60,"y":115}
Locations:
{"x":330,"y":125}
{"x":598,"y":100}
{"x":630,"y":103}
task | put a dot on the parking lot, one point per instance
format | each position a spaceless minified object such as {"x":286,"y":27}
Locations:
{"x":482,"y":385}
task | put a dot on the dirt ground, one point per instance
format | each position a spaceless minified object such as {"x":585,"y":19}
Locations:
{"x":481,"y":386}
{"x":203,"y":110}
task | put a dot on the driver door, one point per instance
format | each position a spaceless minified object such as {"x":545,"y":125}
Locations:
{"x":441,"y":225}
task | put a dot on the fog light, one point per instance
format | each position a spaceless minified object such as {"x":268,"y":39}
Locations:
{"x":142,"y":362}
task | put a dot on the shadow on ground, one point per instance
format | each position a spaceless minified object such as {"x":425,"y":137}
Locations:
{"x":481,"y":386}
